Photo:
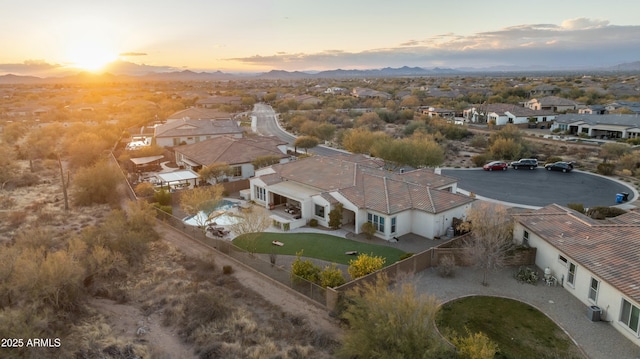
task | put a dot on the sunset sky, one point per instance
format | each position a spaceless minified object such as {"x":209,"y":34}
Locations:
{"x":46,"y":37}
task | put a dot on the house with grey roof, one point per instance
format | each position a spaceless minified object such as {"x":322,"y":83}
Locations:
{"x":551,"y":103}
{"x":188,"y":131}
{"x":609,"y":126}
{"x":594,"y":260}
{"x":238,"y":153}
{"x":629,"y":106}
{"x":194,"y":113}
{"x":501,"y":114}
{"x":420,"y":201}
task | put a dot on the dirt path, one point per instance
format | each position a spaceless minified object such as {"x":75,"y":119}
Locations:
{"x":291,"y":303}
{"x":128,"y":323}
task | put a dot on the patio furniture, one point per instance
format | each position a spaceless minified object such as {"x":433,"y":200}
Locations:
{"x":277,"y":243}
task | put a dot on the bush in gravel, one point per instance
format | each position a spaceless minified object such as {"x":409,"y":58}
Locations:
{"x":446,"y":266}
{"x":227,"y":269}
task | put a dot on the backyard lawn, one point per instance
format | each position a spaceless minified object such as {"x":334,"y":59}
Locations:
{"x":315,"y":245}
{"x":520,"y":330}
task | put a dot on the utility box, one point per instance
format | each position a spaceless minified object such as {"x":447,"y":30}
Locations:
{"x":594,"y":313}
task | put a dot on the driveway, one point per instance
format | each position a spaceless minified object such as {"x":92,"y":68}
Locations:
{"x":538,"y":188}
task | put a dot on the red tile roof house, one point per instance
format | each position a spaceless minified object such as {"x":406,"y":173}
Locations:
{"x":239,"y":153}
{"x":597,"y":261}
{"x":188,"y":131}
{"x":419,"y":202}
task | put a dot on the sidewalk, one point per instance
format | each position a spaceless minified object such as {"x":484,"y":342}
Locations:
{"x":599,"y":340}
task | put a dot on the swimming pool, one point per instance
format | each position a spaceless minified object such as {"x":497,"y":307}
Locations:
{"x":223,"y":219}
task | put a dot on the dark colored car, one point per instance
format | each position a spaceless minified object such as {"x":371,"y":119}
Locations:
{"x":559,"y":166}
{"x":530,"y":163}
{"x":495,"y":166}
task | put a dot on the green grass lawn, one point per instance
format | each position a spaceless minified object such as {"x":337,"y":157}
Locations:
{"x":315,"y":245}
{"x":520,"y":330}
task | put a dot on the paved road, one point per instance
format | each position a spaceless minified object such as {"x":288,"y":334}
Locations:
{"x":266,"y":125}
{"x":539,"y":187}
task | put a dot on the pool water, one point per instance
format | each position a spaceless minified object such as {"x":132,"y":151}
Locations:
{"x":224,"y":219}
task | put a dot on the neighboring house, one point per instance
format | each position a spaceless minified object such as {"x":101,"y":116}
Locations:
{"x":181,"y":132}
{"x":239,"y":153}
{"x":502,"y":114}
{"x":194,"y":113}
{"x":552,"y":103}
{"x":544,"y":90}
{"x":633,"y":107}
{"x":360,"y":92}
{"x":335,"y":90}
{"x":592,"y":110}
{"x":438,"y":112}
{"x":599,"y":126}
{"x":419,"y":202}
{"x":594,"y":260}
{"x":215,"y":101}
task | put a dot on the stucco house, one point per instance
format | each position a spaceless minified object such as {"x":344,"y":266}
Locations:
{"x":501,"y":114}
{"x":239,"y":153}
{"x":194,"y":113}
{"x":216,"y":101}
{"x":187,"y":131}
{"x":609,"y":126}
{"x":594,"y":260}
{"x":551,"y":103}
{"x":419,"y":201}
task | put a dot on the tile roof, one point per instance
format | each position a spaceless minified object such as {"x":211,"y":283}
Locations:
{"x":196,"y":113}
{"x":187,"y":127}
{"x":608,"y":248}
{"x":371,"y":187}
{"x":231,"y":150}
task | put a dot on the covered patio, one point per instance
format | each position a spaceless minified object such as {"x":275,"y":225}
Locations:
{"x":178,"y":179}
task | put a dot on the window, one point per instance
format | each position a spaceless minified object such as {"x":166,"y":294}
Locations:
{"x":593,"y":290}
{"x":630,"y":315}
{"x":571,"y":277}
{"x":393,"y":224}
{"x":525,"y":238}
{"x":378,"y":221}
{"x":236,"y":171}
{"x":562,"y":260}
{"x":261,"y":193}
{"x":319,"y":210}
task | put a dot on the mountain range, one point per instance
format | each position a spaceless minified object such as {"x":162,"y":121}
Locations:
{"x":125,"y":72}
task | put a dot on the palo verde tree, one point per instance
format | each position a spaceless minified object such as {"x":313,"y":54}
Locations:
{"x":306,"y":142}
{"x":251,"y":222}
{"x":402,"y":318}
{"x":215,"y":171}
{"x":491,"y":237}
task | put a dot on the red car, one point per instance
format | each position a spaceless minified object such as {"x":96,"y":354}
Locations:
{"x":496,"y":166}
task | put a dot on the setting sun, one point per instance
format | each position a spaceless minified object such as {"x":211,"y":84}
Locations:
{"x":91,"y":57}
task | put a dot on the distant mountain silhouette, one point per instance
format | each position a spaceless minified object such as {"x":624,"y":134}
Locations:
{"x":122,"y":71}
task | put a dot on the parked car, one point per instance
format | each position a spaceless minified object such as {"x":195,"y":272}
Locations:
{"x":495,"y":166}
{"x":559,"y":166}
{"x":530,"y":163}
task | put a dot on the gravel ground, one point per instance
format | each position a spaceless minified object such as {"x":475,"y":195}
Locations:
{"x":596,"y":339}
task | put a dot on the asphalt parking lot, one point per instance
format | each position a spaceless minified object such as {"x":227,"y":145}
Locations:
{"x":539,"y":187}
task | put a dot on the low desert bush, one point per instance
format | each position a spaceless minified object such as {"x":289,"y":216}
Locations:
{"x":447,"y":266}
{"x":227,"y":269}
{"x":606,"y":169}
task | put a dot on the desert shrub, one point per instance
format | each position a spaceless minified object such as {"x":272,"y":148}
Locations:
{"x":446,"y":266}
{"x":204,"y":308}
{"x":606,"y":169}
{"x":475,"y":346}
{"x":16,"y":218}
{"x":163,"y":197}
{"x":365,"y":264}
{"x":144,"y":189}
{"x":602,"y":212}
{"x":578,"y":207}
{"x":7,"y":202}
{"x":479,"y":141}
{"x":166,"y":209}
{"x":313,"y":222}
{"x":368,"y":229}
{"x":227,"y":269}
{"x":335,"y":217}
{"x":527,"y":275}
{"x":97,"y":184}
{"x":27,"y":179}
{"x":305,"y":269}
{"x":480,"y":160}
{"x":331,"y":276}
